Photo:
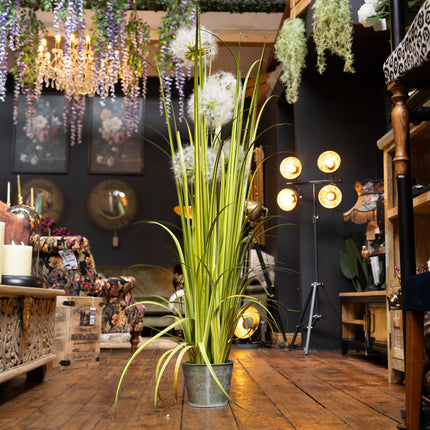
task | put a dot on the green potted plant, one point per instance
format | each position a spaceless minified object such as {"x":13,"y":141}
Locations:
{"x":212,"y":169}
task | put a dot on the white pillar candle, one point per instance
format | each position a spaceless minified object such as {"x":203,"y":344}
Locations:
{"x":17,"y":260}
{"x":2,"y":229}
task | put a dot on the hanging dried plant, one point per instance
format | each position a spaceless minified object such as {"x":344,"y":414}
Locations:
{"x":291,"y":50}
{"x":332,"y":31}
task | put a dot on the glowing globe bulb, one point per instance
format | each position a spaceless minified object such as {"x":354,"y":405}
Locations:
{"x":287,"y":199}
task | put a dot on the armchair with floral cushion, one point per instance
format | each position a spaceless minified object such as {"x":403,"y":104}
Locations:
{"x":66,"y":262}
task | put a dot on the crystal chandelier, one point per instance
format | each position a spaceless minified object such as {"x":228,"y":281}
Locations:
{"x":71,"y":69}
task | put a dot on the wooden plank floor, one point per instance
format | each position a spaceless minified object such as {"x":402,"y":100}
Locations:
{"x":276,"y":389}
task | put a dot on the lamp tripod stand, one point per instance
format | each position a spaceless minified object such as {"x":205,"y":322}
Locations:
{"x":313,"y":297}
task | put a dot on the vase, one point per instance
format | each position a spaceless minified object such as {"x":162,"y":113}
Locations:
{"x":202,"y":390}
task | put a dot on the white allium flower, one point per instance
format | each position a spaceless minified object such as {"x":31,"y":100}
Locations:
{"x":226,"y":151}
{"x":366,"y":11}
{"x":184,"y":44}
{"x":183,"y":162}
{"x":216,"y":100}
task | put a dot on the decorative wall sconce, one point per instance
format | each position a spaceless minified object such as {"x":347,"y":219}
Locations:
{"x":330,"y":197}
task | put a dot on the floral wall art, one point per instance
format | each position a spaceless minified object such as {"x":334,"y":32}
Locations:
{"x":41,"y":144}
{"x":114,"y":147}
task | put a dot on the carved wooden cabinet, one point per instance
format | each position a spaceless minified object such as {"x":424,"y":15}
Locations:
{"x":364,"y":321}
{"x":27,"y":327}
{"x":420,"y":167}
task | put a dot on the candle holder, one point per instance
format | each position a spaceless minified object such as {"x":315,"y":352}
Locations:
{"x":34,"y":229}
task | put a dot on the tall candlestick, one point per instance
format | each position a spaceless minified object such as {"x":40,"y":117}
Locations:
{"x":8,"y":194}
{"x":32,"y":197}
{"x":20,"y":201}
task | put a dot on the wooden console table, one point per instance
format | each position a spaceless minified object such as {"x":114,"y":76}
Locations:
{"x":27,"y":323}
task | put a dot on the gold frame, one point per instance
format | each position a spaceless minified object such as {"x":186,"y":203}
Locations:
{"x":94,"y":205}
{"x":57,"y":204}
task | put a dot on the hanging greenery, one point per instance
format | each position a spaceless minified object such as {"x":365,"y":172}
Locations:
{"x":133,"y":72}
{"x":332,"y":31}
{"x":25,"y":71}
{"x":291,"y":50}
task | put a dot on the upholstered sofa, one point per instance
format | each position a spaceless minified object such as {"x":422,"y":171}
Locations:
{"x":158,"y":282}
{"x":153,"y":283}
{"x":66,"y":262}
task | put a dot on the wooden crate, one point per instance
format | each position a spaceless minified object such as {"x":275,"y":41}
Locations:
{"x":77,"y":331}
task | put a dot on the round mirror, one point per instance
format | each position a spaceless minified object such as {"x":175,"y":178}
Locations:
{"x":48,"y":199}
{"x":112,"y":204}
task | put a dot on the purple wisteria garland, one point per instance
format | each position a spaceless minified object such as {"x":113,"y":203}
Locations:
{"x":181,"y":13}
{"x":120,"y":49}
{"x":10,"y":20}
{"x":25,"y":71}
{"x":134,"y":69}
{"x":109,"y":34}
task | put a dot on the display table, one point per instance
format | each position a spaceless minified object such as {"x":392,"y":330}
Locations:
{"x":27,"y":327}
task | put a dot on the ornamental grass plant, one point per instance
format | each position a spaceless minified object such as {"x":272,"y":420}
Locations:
{"x":212,"y":171}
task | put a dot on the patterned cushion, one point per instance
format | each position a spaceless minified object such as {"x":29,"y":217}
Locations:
{"x":409,"y":62}
{"x":120,"y":311}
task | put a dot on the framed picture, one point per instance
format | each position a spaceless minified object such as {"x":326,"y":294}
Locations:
{"x":41,"y":144}
{"x":113,"y":148}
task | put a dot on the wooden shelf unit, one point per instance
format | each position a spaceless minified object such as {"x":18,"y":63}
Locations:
{"x":364,"y":322}
{"x":420,"y":162}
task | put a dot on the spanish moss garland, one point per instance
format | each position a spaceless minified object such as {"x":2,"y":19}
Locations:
{"x":291,"y":50}
{"x":332,"y":31}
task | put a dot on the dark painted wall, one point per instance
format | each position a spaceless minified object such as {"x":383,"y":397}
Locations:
{"x":346,"y":113}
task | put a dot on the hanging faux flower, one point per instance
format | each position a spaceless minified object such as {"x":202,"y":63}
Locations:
{"x":109,"y":38}
{"x":28,"y":80}
{"x":180,"y":13}
{"x":368,"y":12}
{"x":291,"y":51}
{"x":134,"y":69}
{"x":332,"y":31}
{"x":9,"y":31}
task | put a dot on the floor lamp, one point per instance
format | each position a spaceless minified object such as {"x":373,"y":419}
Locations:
{"x":330,"y":197}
